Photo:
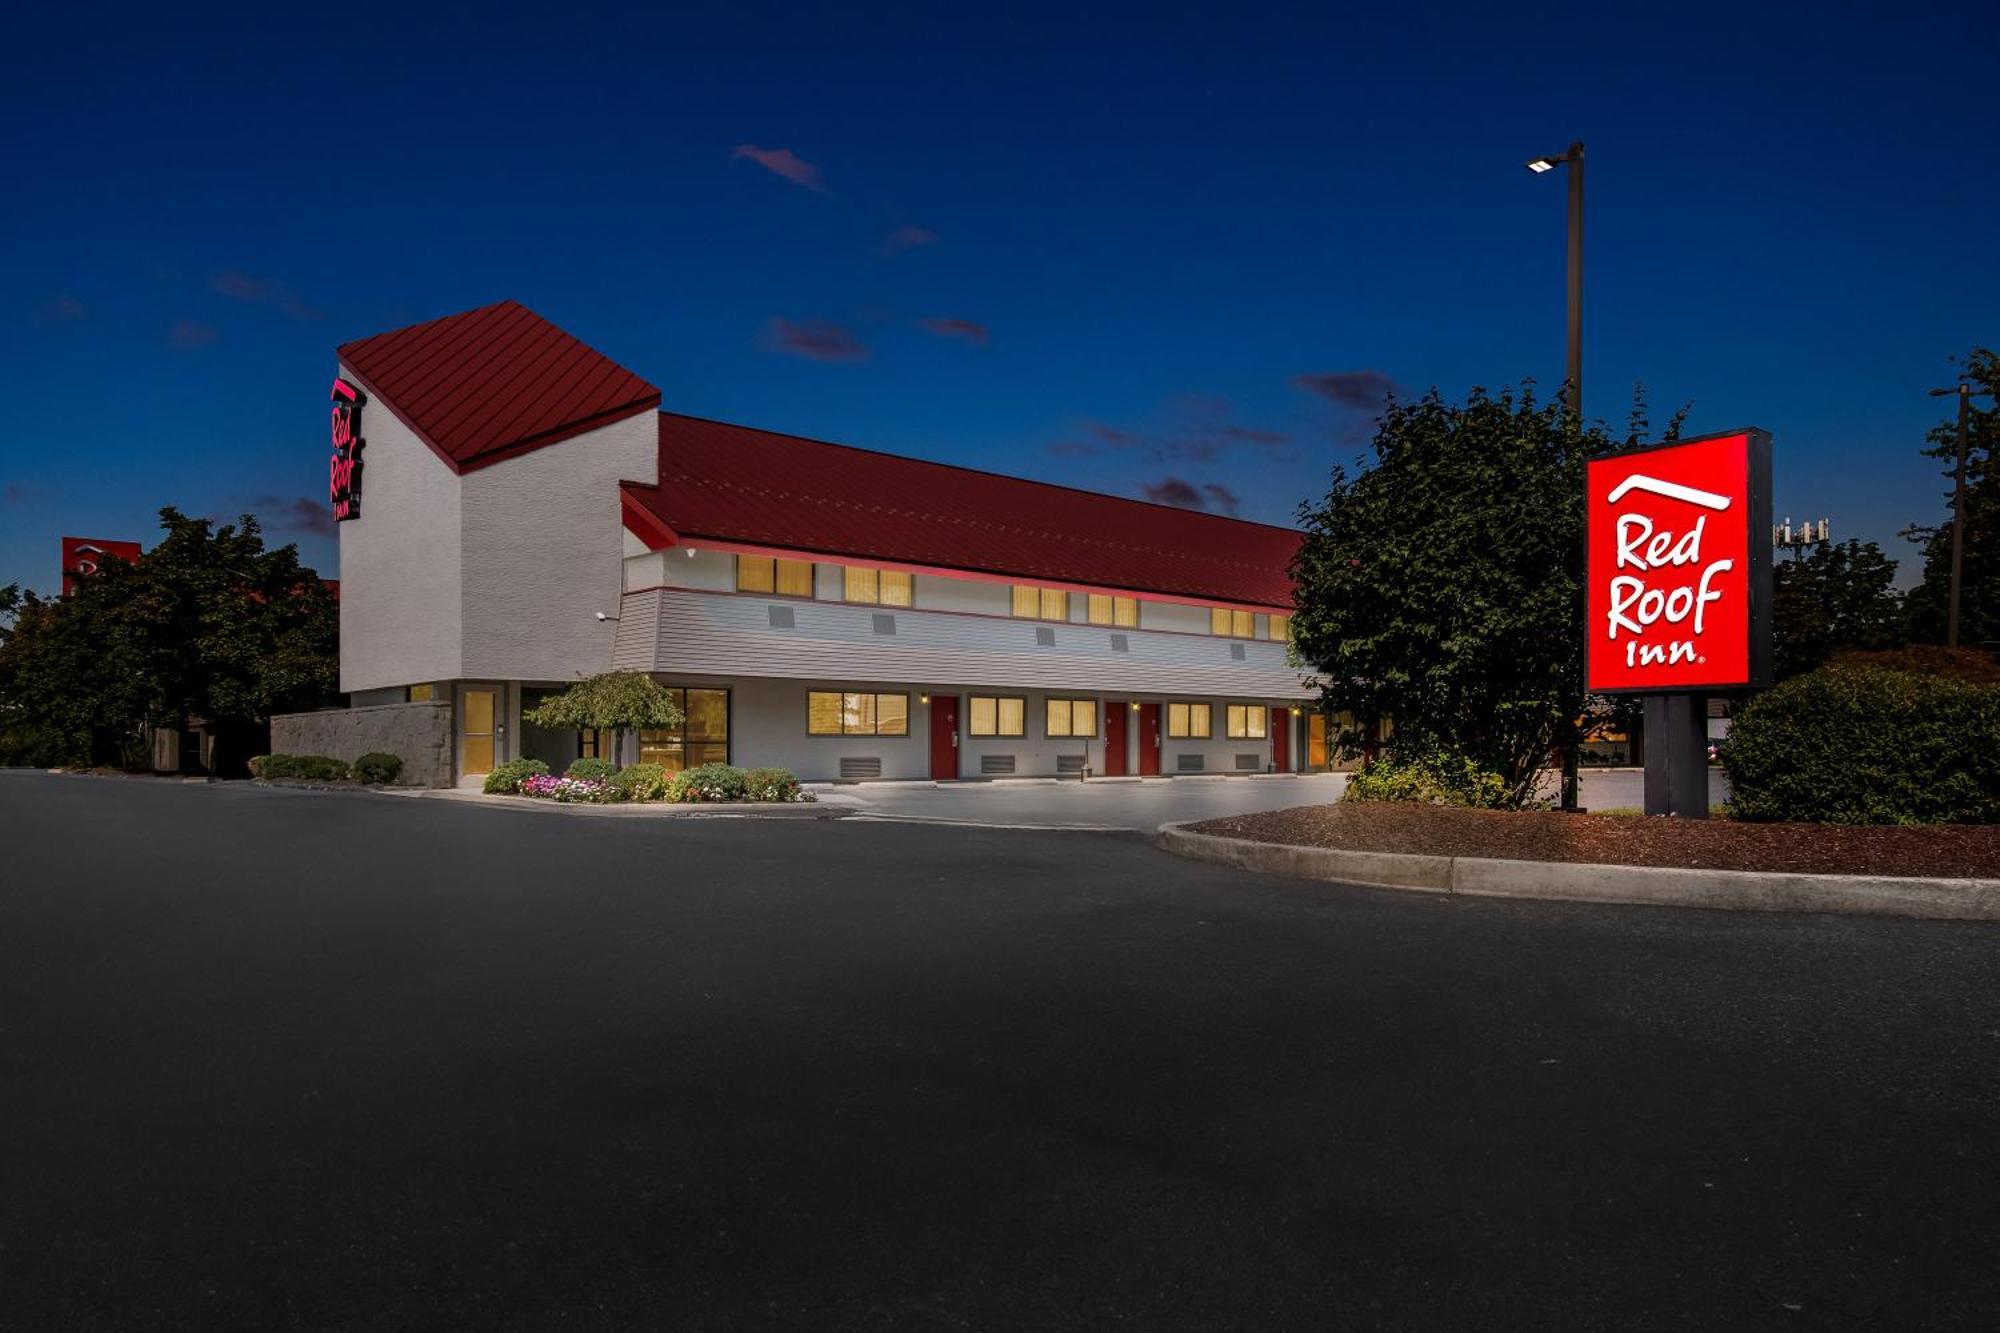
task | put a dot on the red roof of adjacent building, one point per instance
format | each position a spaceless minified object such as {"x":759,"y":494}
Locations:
{"x":494,"y":383}
{"x":735,"y":484}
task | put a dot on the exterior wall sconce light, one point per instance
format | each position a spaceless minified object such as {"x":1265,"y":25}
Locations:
{"x":923,"y":698}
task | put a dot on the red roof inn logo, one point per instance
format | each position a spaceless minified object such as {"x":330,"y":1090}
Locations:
{"x":1679,"y":577}
{"x":84,"y":556}
{"x":344,"y":489}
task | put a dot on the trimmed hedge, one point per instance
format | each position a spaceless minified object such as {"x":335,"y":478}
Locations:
{"x":311,"y":767}
{"x":506,"y":779}
{"x":377,"y":766}
{"x":1858,"y":744}
{"x":591,"y":769}
{"x":708,"y":782}
{"x":640,"y":782}
{"x":771,"y":784}
{"x":1432,"y":780}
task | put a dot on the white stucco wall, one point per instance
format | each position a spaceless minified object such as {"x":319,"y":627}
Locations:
{"x":401,"y":604}
{"x":543,"y":553}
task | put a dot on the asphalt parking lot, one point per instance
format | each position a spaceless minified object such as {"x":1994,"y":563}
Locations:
{"x":276,"y":1059}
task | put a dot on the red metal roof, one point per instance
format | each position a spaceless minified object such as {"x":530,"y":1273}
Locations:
{"x":736,"y":484}
{"x":494,"y":383}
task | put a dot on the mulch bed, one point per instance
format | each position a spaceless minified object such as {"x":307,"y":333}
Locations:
{"x":1954,"y":850}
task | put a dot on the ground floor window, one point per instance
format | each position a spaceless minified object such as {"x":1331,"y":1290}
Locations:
{"x":422,"y":694}
{"x":1072,"y":717}
{"x":996,"y":715}
{"x":1246,"y":721}
{"x":701,"y":738}
{"x":1189,"y":721}
{"x":596,"y":745}
{"x":848,"y":713}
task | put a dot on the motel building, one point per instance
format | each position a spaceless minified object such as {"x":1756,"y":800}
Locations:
{"x":517,"y":512}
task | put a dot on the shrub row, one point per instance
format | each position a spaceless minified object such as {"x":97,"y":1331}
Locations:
{"x":597,"y":780}
{"x":1430,"y":780}
{"x":374,"y":766}
{"x":1856,"y":743}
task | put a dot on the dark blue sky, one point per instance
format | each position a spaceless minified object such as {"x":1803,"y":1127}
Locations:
{"x":1095,"y":246}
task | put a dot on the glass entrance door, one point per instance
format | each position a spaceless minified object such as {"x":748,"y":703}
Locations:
{"x":476,"y":712}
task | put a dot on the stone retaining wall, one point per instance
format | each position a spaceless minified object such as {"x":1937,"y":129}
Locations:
{"x":419,"y":734}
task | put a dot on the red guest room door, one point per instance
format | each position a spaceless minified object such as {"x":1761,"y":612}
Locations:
{"x":1281,"y":739}
{"x":1115,"y":714}
{"x":1149,"y":740}
{"x":944,"y":738}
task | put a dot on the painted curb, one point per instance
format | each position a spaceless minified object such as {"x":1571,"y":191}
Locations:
{"x":1558,"y":881}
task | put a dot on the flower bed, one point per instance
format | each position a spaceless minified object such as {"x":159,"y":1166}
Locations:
{"x":566,"y":791}
{"x":590,"y":783}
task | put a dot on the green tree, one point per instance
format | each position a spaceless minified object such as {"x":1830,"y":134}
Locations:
{"x":1442,"y":586}
{"x":1840,"y":596}
{"x":208,"y":624}
{"x":615,"y":701}
{"x":1979,"y":599}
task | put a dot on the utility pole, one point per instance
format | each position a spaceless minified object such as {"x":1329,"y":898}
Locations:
{"x":1964,"y":392}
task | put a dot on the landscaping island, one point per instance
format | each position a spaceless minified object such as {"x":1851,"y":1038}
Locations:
{"x":1956,"y":851}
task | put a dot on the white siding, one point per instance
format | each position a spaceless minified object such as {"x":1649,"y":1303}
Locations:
{"x":675,"y":631}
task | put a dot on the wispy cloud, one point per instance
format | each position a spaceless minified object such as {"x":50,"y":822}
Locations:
{"x":1211,"y":497}
{"x":299,"y":514}
{"x":1360,"y":390}
{"x":908,"y":238}
{"x":62,"y":308}
{"x":240,"y":286}
{"x":964,"y":329}
{"x":187,"y":334}
{"x":784,"y":162}
{"x":815,"y":339}
{"x":1196,"y":431}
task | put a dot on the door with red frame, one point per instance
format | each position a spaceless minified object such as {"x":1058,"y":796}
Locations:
{"x":1149,"y":740}
{"x":944,"y":738}
{"x":1281,"y":739}
{"x":1115,"y":714}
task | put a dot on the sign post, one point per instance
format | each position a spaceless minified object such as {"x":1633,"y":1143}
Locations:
{"x":1678,"y":594}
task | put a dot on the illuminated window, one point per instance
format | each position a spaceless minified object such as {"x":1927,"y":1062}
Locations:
{"x":422,"y":694}
{"x":1072,"y":717}
{"x":701,"y":738}
{"x":1002,"y":715}
{"x":786,"y":578}
{"x":1104,"y":609}
{"x":895,"y":587}
{"x":1099,"y":608}
{"x":1188,"y":721}
{"x":1034,"y":603}
{"x":1125,"y":611}
{"x":1281,"y":628}
{"x":838,"y":713}
{"x":1246,"y":721}
{"x":860,"y":584}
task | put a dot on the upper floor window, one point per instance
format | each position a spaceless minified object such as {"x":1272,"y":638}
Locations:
{"x":763,"y":573}
{"x":838,"y":713}
{"x":1189,"y":721}
{"x":990,"y":715}
{"x":1071,"y":717}
{"x":885,"y":587}
{"x":1040,"y":603}
{"x":1247,"y":721}
{"x":1106,"y":609}
{"x":1236,"y":624}
{"x":1280,"y":627}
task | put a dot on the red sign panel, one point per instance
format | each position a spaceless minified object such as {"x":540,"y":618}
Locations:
{"x":1680,"y":566}
{"x":84,"y":556}
{"x":344,"y":484}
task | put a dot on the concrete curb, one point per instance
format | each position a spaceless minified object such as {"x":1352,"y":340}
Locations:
{"x":1652,"y":886}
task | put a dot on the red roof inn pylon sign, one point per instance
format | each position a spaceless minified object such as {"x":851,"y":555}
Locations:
{"x":344,"y":480}
{"x":1678,"y":592}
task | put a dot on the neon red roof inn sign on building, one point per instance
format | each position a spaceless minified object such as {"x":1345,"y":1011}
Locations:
{"x":1679,"y":566}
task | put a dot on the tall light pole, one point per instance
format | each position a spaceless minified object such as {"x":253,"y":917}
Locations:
{"x":1573,"y":159}
{"x":1964,"y":391}
{"x":1573,"y":380}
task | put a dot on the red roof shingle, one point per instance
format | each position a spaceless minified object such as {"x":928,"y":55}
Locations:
{"x":736,"y":484}
{"x":494,"y":383}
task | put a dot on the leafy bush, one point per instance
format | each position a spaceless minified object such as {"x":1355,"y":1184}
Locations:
{"x":1856,"y":744}
{"x":567,"y":790}
{"x":773,"y":784}
{"x":708,"y":782}
{"x":310,"y":767}
{"x":1441,"y":779}
{"x":589,"y":769}
{"x":375,"y":766}
{"x":506,"y":779}
{"x":640,"y":782}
